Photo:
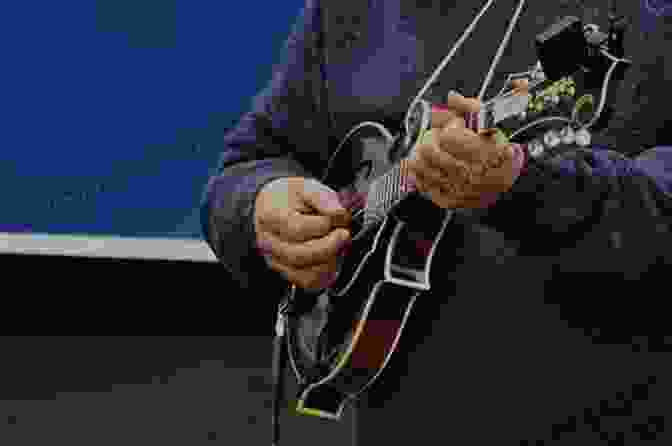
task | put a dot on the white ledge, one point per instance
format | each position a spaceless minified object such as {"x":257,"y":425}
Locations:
{"x":107,"y":247}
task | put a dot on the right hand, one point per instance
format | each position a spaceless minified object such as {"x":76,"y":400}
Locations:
{"x":301,"y":229}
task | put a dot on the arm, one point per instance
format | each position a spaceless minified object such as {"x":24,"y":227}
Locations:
{"x":592,"y":199}
{"x":262,"y":148}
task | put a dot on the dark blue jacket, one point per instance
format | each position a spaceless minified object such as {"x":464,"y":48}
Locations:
{"x":344,"y":64}
{"x":589,"y":231}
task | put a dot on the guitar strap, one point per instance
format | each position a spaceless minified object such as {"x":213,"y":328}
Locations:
{"x":278,"y":366}
{"x":342,"y":25}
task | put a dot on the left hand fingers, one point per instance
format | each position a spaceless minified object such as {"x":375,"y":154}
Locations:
{"x":441,"y":116}
{"x":456,"y":106}
{"x":446,"y":177}
{"x":488,"y":169}
{"x":457,"y":180}
{"x":463,"y":144}
{"x":461,"y":105}
{"x":451,"y":195}
{"x":439,"y":168}
{"x":445,"y":167}
{"x":520,"y":86}
{"x":500,"y":176}
{"x":480,"y":149}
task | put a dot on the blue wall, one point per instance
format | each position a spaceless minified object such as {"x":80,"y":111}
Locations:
{"x":113,"y":111}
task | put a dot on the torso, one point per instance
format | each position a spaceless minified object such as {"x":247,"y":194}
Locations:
{"x":376,"y":76}
{"x":471,"y":364}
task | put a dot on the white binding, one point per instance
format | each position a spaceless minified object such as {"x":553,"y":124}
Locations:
{"x":425,"y":284}
{"x":374,"y":245}
{"x":344,"y":360}
{"x":380,"y":127}
{"x":388,"y":278}
{"x":393,"y":348}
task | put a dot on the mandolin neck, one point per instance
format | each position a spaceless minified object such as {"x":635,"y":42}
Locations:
{"x":388,"y":190}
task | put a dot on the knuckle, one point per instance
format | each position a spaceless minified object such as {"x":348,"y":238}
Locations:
{"x":286,"y":254}
{"x":422,"y":165}
{"x":307,"y":282}
{"x":318,"y":279}
{"x":427,"y":158}
{"x":299,"y":259}
{"x":294,"y":226}
{"x":313,"y":230}
{"x":329,"y":252}
{"x":263,"y":218}
{"x":302,"y":282}
{"x":284,"y":257}
{"x":311,"y":255}
{"x":264,"y":246}
{"x":424,"y":150}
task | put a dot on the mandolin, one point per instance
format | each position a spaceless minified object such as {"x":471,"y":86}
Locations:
{"x":339,"y":340}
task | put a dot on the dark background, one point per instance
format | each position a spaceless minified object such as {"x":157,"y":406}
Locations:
{"x":110,"y":390}
{"x":192,"y":366}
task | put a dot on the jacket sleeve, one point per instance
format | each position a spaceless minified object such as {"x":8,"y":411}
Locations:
{"x":261,"y":148}
{"x":607,"y":210}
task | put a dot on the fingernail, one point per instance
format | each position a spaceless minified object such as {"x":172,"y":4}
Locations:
{"x":350,"y":199}
{"x":410,"y":183}
{"x":344,"y":247}
{"x":488,"y":199}
{"x":264,"y":247}
{"x":333,"y":203}
{"x":439,"y":108}
{"x":327,"y":279}
{"x":344,"y":196}
{"x":345,"y":201}
{"x":454,"y":123}
{"x":359,"y":201}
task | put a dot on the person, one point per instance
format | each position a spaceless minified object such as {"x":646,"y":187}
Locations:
{"x":582,"y":241}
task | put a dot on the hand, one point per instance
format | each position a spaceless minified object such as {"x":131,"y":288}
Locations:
{"x":459,"y":168}
{"x":301,"y":229}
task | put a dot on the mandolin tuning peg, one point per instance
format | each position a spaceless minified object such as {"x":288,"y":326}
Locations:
{"x":567,"y":135}
{"x":551,"y":139}
{"x":536,"y":148}
{"x":583,"y":137}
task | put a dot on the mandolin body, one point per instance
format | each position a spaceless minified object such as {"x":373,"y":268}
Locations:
{"x":341,"y":339}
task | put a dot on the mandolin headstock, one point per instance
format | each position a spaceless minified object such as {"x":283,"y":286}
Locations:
{"x":561,"y":112}
{"x":550,"y":117}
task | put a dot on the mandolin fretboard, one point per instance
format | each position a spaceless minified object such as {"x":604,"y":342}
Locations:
{"x":386,"y":191}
